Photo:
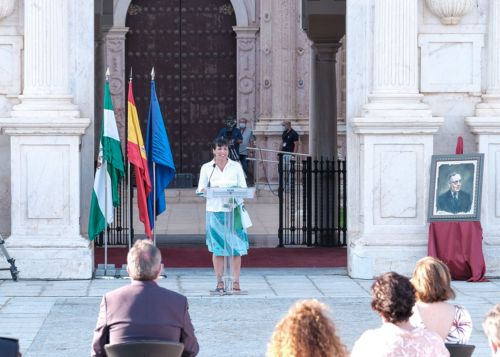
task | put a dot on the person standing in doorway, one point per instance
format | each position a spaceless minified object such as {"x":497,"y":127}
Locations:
{"x":290,"y":144}
{"x":247,"y":139}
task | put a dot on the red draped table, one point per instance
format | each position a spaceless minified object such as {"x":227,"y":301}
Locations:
{"x":459,"y":245}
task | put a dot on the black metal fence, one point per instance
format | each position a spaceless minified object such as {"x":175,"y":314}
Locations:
{"x":118,"y":231}
{"x":312,"y":201}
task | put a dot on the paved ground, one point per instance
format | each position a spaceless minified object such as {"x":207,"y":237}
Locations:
{"x":56,"y":318}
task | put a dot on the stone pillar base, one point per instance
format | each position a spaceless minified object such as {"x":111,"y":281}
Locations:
{"x":366,"y":260}
{"x":491,"y":252}
{"x":49,"y":257}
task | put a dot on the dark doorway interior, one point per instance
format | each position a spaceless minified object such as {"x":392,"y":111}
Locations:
{"x":192,"y":46}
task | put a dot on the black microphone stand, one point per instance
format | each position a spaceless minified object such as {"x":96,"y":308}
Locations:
{"x":208,"y":186}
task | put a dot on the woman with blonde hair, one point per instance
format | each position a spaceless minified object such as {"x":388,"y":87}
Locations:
{"x":306,"y":331}
{"x":432,"y":282}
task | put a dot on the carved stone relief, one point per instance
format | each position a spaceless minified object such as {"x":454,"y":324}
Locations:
{"x":246,"y":71}
{"x":115,"y":60}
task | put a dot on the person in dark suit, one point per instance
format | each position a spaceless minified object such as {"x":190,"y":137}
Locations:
{"x":143,"y":310}
{"x":454,"y":200}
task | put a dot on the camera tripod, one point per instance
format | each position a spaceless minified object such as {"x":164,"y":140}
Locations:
{"x":13,"y":270}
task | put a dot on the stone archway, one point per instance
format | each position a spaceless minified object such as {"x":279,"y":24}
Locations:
{"x":246,"y":72}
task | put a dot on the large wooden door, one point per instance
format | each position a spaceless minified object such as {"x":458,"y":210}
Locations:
{"x":192,"y":46}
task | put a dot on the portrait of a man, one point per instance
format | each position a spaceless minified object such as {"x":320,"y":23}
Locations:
{"x":455,"y":190}
{"x":455,"y":200}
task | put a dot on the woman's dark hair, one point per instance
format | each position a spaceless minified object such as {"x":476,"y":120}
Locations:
{"x":393,"y":297}
{"x":219,"y":142}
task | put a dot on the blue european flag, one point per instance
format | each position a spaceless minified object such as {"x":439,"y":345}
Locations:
{"x":158,"y":151}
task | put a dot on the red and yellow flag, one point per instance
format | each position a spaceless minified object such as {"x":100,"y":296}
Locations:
{"x":137,"y":157}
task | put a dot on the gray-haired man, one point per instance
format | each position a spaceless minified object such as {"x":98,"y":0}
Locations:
{"x":143,"y":310}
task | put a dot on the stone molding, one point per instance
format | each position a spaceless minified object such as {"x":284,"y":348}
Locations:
{"x":450,"y":11}
{"x":405,"y":125}
{"x":44,"y":126}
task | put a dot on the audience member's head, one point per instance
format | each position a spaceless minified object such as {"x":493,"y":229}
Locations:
{"x":306,"y":331}
{"x":393,"y":297}
{"x":491,"y":326}
{"x":432,"y":280}
{"x":144,"y":261}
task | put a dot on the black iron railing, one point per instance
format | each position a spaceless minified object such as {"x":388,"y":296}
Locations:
{"x":118,"y":231}
{"x":312,"y":201}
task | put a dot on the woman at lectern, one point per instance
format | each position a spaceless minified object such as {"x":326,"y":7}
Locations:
{"x":223,"y":172}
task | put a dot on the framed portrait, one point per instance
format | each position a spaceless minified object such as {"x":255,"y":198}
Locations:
{"x":455,"y":187}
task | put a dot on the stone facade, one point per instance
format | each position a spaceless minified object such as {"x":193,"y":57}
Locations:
{"x":403,"y":106}
{"x":397,"y":89}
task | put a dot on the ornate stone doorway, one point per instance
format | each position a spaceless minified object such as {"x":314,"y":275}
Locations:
{"x":192,"y":45}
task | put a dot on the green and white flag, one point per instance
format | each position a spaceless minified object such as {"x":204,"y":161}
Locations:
{"x":110,"y":170}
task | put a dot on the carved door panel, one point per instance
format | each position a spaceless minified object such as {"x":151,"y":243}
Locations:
{"x":193,"y":49}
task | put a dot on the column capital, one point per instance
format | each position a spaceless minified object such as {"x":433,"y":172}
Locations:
{"x":326,"y":52}
{"x":246,"y":31}
{"x":117,"y":33}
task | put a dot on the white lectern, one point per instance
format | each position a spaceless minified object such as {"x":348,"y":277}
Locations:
{"x":233,"y":195}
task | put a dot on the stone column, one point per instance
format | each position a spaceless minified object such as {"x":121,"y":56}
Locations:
{"x":486,"y":126}
{"x":46,"y":82}
{"x":115,"y":60}
{"x":45,"y":132}
{"x":323,"y":120}
{"x":246,"y":75}
{"x":395,"y":60}
{"x":395,"y":135}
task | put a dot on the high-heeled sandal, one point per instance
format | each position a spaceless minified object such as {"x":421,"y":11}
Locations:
{"x":220,"y":287}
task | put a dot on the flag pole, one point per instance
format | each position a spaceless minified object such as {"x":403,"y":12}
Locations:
{"x":105,"y":218}
{"x":106,"y":205}
{"x":129,"y":188}
{"x":154,"y":202}
{"x":154,"y":178}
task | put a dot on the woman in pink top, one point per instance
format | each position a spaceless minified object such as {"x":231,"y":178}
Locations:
{"x":393,"y":297}
{"x":432,"y":281}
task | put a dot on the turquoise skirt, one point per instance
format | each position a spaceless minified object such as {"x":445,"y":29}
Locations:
{"x":237,"y":240}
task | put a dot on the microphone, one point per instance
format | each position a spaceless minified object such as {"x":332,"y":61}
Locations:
{"x":208,"y":186}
